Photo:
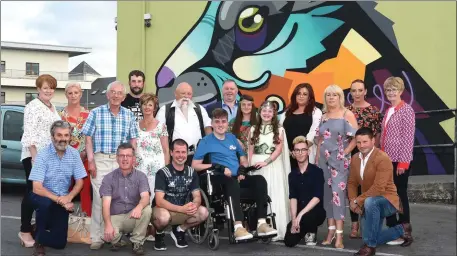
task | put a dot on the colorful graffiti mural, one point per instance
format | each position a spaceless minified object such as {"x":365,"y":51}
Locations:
{"x":270,"y":47}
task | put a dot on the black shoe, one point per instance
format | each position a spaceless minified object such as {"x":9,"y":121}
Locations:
{"x":159,"y":244}
{"x":179,"y":238}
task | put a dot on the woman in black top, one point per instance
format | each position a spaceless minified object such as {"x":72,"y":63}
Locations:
{"x":301,"y":118}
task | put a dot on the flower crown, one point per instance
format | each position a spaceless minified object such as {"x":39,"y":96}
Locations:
{"x":268,"y":104}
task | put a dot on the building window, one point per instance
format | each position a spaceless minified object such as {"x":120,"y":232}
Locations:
{"x":13,"y":120}
{"x":2,"y":99}
{"x":3,"y":66}
{"x":30,"y":96}
{"x":32,"y":69}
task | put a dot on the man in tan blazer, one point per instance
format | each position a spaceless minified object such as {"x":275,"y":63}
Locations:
{"x":372,"y":170}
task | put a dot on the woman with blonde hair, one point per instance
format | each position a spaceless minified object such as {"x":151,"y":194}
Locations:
{"x":76,"y":115}
{"x":397,"y":140}
{"x":335,"y":143}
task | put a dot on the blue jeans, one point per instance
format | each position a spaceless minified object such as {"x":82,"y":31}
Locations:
{"x":376,"y":210}
{"x":51,"y":222}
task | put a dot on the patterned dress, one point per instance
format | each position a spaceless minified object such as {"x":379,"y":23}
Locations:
{"x":149,"y":155}
{"x":244,"y":132}
{"x":369,"y":117}
{"x":78,"y":141}
{"x":336,"y":134}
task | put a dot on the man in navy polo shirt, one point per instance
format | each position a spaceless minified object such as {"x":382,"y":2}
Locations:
{"x":224,"y":150}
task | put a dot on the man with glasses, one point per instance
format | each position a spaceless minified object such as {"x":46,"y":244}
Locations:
{"x":306,"y":189}
{"x":125,"y":194}
{"x":106,"y":128}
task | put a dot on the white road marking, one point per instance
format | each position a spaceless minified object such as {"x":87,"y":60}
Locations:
{"x":274,"y":243}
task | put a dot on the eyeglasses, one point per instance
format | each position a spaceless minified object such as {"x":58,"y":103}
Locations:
{"x":118,"y":93}
{"x":125,"y":156}
{"x":393,"y":90}
{"x":300,"y":151}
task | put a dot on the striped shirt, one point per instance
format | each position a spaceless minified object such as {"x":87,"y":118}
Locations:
{"x":109,"y":131}
{"x":54,"y":172}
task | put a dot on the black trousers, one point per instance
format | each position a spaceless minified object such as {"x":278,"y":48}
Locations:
{"x":308,"y":224}
{"x":252,"y":186}
{"x":26,"y":205}
{"x":401,"y":182}
{"x":355,"y":216}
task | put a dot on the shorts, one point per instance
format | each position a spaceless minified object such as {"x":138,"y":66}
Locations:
{"x":177,"y":218}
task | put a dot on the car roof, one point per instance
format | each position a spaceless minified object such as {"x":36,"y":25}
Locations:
{"x":12,"y":107}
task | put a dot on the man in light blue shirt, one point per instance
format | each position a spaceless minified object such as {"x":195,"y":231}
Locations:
{"x":52,"y":172}
{"x":229,"y":100}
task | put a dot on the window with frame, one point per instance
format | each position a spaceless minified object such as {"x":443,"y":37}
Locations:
{"x":3,"y":68}
{"x":2,"y":98}
{"x":11,"y":122}
{"x":30,"y":96}
{"x":32,"y":69}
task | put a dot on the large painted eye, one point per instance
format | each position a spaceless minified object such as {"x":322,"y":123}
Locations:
{"x":250,"y":20}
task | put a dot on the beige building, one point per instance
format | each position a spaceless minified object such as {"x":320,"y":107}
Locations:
{"x":22,"y":63}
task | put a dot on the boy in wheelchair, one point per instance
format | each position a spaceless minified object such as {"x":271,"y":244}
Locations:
{"x":223,"y":149}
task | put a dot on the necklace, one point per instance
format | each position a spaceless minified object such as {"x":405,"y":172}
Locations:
{"x":49,"y":106}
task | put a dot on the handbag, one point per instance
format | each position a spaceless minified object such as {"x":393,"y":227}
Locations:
{"x":78,"y":228}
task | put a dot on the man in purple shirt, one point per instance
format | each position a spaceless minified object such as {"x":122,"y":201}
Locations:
{"x":125,"y":202}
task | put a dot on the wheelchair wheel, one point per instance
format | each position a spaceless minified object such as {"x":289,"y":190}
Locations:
{"x":213,"y":241}
{"x":266,"y":240}
{"x":199,"y":233}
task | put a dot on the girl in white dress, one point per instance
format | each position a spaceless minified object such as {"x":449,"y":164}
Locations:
{"x":152,"y":144}
{"x":268,"y":151}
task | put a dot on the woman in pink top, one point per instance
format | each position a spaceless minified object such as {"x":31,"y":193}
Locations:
{"x":397,"y":140}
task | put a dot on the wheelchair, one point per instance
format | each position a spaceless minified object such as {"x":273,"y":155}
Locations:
{"x":220,"y":212}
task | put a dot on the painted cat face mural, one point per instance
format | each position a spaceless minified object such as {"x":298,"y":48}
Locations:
{"x":270,"y":47}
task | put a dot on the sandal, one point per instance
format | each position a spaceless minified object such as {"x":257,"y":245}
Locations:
{"x":339,"y":246}
{"x":355,"y":233}
{"x":326,"y":242}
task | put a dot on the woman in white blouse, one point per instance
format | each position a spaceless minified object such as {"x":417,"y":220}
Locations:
{"x":39,"y":115}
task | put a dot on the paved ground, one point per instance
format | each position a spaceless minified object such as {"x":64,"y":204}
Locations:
{"x":434,"y":231}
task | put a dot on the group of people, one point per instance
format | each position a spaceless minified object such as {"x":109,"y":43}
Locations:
{"x":141,"y":163}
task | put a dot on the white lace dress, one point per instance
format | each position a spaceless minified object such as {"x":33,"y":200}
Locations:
{"x":149,"y":155}
{"x":276,"y":175}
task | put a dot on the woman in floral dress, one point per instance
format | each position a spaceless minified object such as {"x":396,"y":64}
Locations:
{"x":152,"y":144}
{"x":335,"y":143}
{"x":244,"y":119}
{"x":76,"y":115}
{"x":368,"y":116}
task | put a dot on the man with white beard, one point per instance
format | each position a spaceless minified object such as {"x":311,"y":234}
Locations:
{"x":185,"y":119}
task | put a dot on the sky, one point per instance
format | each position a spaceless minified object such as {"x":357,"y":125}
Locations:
{"x":68,"y":23}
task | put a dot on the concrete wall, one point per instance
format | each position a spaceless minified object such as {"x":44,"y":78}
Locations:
{"x":49,"y":61}
{"x":16,"y":95}
{"x":411,"y":39}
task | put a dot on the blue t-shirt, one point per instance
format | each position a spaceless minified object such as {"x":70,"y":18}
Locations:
{"x":223,"y":152}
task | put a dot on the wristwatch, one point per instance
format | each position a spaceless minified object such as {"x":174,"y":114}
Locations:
{"x":355,"y":201}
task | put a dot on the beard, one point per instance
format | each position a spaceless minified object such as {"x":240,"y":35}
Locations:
{"x":61,"y":145}
{"x":136,"y":90}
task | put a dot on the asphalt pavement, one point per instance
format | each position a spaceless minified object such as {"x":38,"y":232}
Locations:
{"x":434,"y":231}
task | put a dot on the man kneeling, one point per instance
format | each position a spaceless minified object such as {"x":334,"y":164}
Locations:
{"x":172,"y":185}
{"x":125,"y":199}
{"x":373,"y":170}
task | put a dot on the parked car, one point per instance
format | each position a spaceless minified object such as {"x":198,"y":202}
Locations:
{"x":12,"y":117}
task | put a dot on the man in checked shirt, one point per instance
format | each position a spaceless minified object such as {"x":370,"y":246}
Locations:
{"x":106,"y":128}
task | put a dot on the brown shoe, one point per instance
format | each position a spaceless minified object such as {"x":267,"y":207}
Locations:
{"x":407,"y":236}
{"x":39,"y":250}
{"x":355,"y":230}
{"x":366,"y":251}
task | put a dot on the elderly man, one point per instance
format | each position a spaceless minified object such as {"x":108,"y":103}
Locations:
{"x":372,"y":170}
{"x":229,"y":102}
{"x":106,"y":128}
{"x":54,"y":167}
{"x":132,"y":100}
{"x":125,"y":195}
{"x":185,"y":119}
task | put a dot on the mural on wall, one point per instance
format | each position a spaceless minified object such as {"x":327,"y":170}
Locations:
{"x":270,"y":47}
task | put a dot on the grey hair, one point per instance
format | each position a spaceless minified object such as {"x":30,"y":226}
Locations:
{"x":72,"y":84}
{"x":125,"y":145}
{"x":108,"y":88}
{"x":59,"y":124}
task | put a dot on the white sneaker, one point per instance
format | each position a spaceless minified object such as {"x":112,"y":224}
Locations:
{"x":150,"y":238}
{"x":396,"y":242}
{"x":310,"y":239}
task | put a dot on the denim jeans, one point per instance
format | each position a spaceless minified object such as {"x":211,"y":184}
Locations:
{"x":376,"y":209}
{"x":51,"y":222}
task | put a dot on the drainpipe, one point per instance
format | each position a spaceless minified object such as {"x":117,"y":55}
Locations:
{"x":143,"y":40}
